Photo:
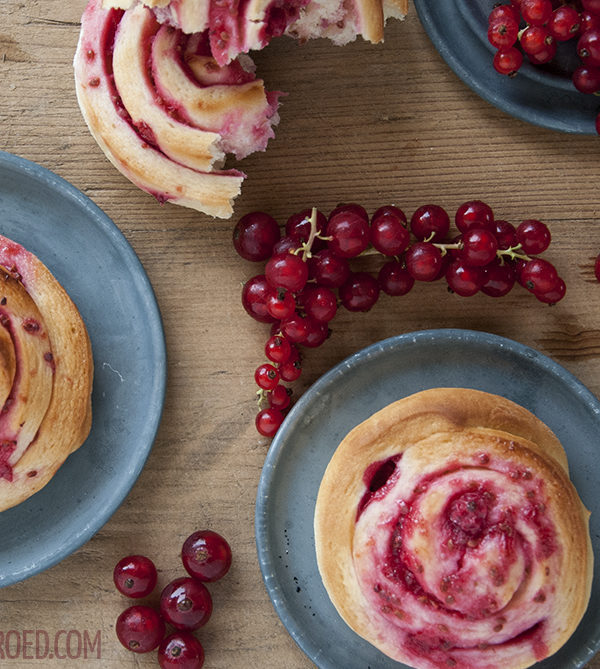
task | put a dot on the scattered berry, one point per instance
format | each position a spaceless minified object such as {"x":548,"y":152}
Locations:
{"x":135,"y":576}
{"x":186,"y":603}
{"x":140,"y":628}
{"x":206,"y":555}
{"x":180,"y":650}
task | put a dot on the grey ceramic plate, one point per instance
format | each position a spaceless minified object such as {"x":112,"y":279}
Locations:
{"x":542,"y":96}
{"x":350,"y":393}
{"x":98,"y":268}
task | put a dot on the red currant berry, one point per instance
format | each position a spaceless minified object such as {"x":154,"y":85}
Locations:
{"x":390,"y":209}
{"x":206,"y":555}
{"x":268,"y":421}
{"x":266,"y":376}
{"x":506,"y":234}
{"x":479,"y":247}
{"x":255,"y":235}
{"x":320,"y":304}
{"x":423,"y":261}
{"x":278,"y":349}
{"x":351,"y":208}
{"x":592,"y":6}
{"x":185,"y":603}
{"x":544,"y":56}
{"x":287,"y":244}
{"x":298,"y":226}
{"x":464,"y":280}
{"x":254,"y":298}
{"x":588,"y":48}
{"x":290,"y":370}
{"x":503,"y":33}
{"x":281,"y":303}
{"x":597,"y":124}
{"x":533,"y":236}
{"x":539,"y":276}
{"x":536,"y":12}
{"x":535,"y":39}
{"x":564,"y":23}
{"x":360,"y":292}
{"x":508,"y":61}
{"x":286,"y":270}
{"x":394,"y":279}
{"x":140,"y":629}
{"x":317,"y":333}
{"x":498,"y":280}
{"x":388,"y":234}
{"x":279,"y":397}
{"x":328,"y":269}
{"x":349,"y":234}
{"x":295,"y":329}
{"x":474,"y":214}
{"x":430,"y":222}
{"x":180,"y":650}
{"x":554,"y":295}
{"x":586,"y":79}
{"x":501,"y":12}
{"x":597,"y":268}
{"x":135,"y":576}
{"x":588,"y":21}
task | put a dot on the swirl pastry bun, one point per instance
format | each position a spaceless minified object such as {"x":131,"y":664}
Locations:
{"x":168,"y":91}
{"x":448,"y":533}
{"x":46,"y":373}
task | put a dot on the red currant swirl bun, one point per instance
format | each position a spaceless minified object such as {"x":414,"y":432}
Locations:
{"x":448,"y":533}
{"x":46,"y":373}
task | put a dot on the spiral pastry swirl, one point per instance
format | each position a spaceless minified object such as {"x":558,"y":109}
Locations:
{"x":449,"y":534}
{"x":46,"y":374}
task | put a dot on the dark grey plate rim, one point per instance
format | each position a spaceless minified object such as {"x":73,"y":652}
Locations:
{"x":533,"y":97}
{"x":277,"y":451}
{"x":35,"y":172}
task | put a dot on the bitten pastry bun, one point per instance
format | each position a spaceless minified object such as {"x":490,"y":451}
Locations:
{"x":46,"y":373}
{"x":448,"y":533}
{"x":168,"y":91}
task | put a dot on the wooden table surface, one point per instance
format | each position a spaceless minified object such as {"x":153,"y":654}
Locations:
{"x":376,"y":124}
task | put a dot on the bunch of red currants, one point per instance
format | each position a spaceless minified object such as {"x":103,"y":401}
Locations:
{"x":307,"y":275}
{"x":536,"y":26}
{"x":185,"y":603}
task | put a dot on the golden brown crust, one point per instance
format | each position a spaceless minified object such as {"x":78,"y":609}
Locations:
{"x":447,"y":435}
{"x":48,"y":415}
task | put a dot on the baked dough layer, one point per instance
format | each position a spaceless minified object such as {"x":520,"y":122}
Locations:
{"x":45,"y":378}
{"x":448,"y":533}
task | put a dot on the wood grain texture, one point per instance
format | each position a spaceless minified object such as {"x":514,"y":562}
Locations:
{"x":376,"y":124}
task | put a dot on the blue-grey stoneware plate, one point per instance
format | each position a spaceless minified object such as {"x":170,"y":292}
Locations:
{"x":543,"y":96}
{"x":92,"y":260}
{"x":350,"y":393}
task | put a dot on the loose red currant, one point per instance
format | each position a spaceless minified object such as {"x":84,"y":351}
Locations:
{"x":281,"y":303}
{"x":279,"y":397}
{"x":206,"y":555}
{"x":268,"y":421}
{"x":423,"y":261}
{"x":135,"y":576}
{"x":536,"y":12}
{"x":464,"y":280}
{"x":286,"y":270}
{"x":533,"y":236}
{"x":266,"y":376}
{"x":140,"y":629}
{"x":508,"y":61}
{"x":180,"y":650}
{"x":564,"y":23}
{"x":360,"y":292}
{"x":320,"y":304}
{"x":254,"y":298}
{"x":479,"y":247}
{"x":394,"y":279}
{"x":328,"y":269}
{"x":554,"y":295}
{"x":430,"y":222}
{"x":474,"y":214}
{"x":503,"y":33}
{"x":349,"y":234}
{"x":185,"y":603}
{"x":586,"y":79}
{"x":388,"y":234}
{"x":539,"y":276}
{"x":498,"y":280}
{"x":278,"y":349}
{"x":255,"y":235}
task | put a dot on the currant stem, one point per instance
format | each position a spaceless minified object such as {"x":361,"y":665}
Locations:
{"x":262,"y":398}
{"x":512,"y":253}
